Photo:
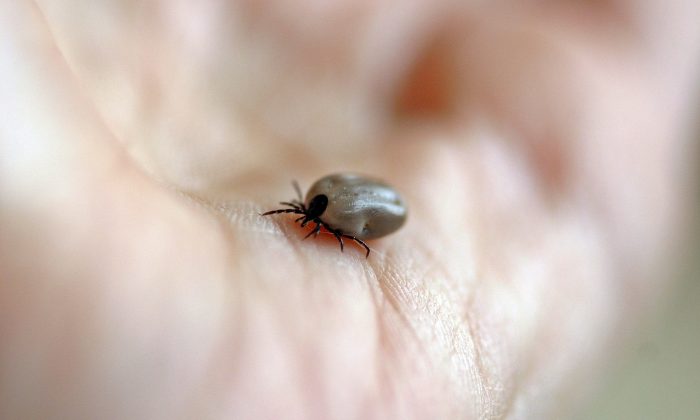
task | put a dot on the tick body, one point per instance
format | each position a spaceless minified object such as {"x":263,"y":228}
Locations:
{"x":349,"y":206}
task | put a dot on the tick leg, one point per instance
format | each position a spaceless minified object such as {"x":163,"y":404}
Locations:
{"x":339,"y":237}
{"x":315,"y":230}
{"x":292,"y":204}
{"x":297,"y":211}
{"x":299,"y":218}
{"x":298,"y":190}
{"x":361,"y":242}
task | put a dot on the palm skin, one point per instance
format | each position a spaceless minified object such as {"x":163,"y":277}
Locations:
{"x":138,"y":279}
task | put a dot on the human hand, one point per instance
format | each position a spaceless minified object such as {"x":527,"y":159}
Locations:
{"x":538,"y":153}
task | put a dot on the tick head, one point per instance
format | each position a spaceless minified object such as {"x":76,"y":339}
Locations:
{"x":317,"y":206}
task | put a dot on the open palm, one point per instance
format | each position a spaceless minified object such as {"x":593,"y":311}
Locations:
{"x":537,"y":150}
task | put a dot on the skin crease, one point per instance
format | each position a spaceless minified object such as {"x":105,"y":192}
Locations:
{"x":540,"y":147}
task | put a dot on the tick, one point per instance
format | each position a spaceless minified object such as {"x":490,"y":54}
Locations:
{"x":349,"y":206}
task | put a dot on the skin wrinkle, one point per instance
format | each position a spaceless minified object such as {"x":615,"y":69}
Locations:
{"x":419,"y":313}
{"x":472,"y":328}
{"x":397,"y":298}
{"x":471,"y":352}
{"x":387,"y":351}
{"x":461,"y":349}
{"x":390,"y":291}
{"x":477,"y":349}
{"x":393,"y":348}
{"x":381,"y":364}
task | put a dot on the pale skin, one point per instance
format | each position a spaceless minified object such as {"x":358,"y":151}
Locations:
{"x":541,"y":151}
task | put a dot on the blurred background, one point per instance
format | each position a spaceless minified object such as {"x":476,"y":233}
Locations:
{"x":658,"y":375}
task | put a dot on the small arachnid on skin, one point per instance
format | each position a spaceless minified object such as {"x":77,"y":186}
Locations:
{"x":348,"y":206}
